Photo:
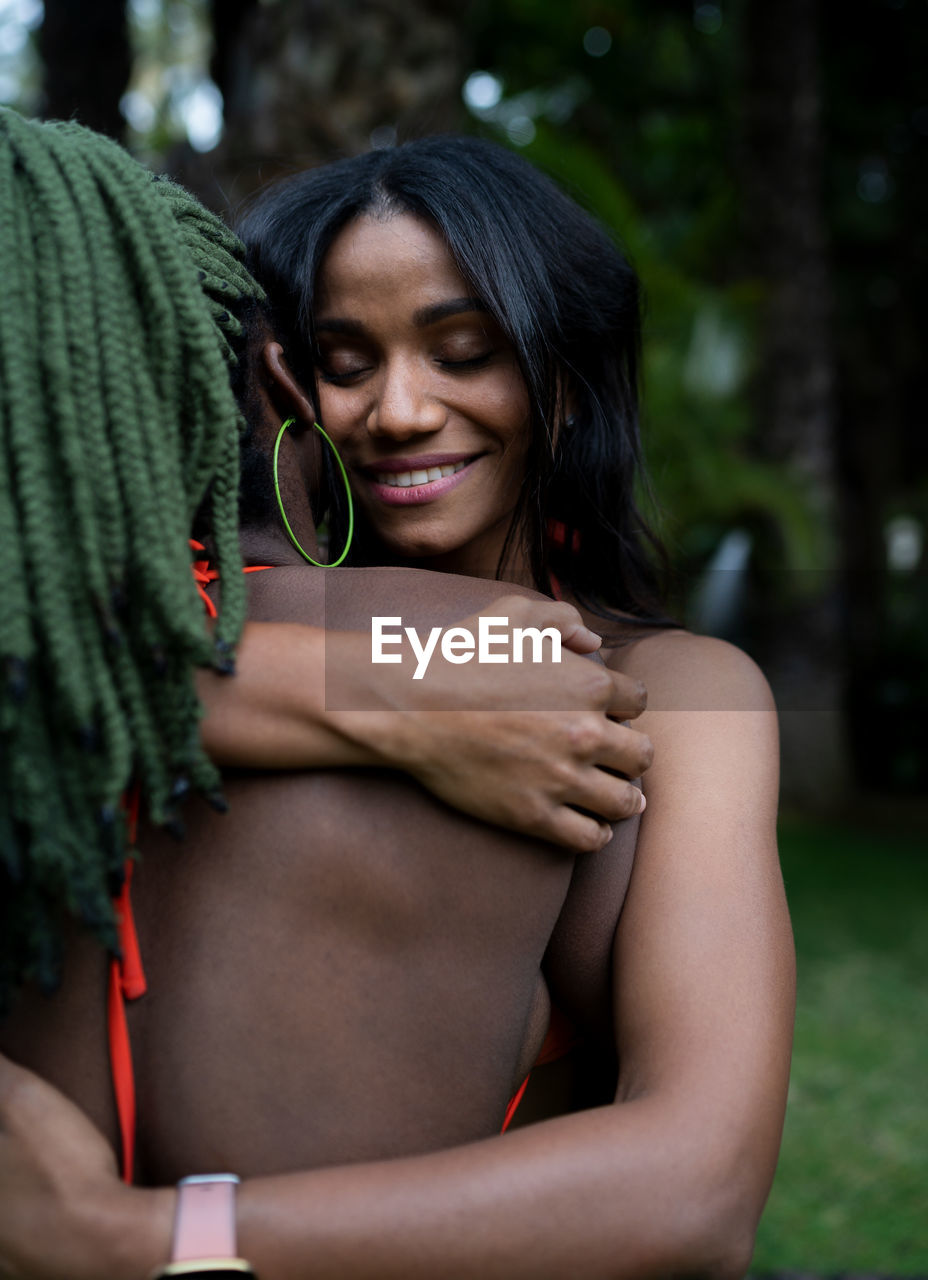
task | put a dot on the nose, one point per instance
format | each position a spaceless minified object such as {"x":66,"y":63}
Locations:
{"x":405,"y":406}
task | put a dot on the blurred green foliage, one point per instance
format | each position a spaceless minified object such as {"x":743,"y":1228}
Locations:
{"x":645,"y":136}
{"x":849,"y":1194}
{"x":636,"y":105}
{"x":699,"y":339}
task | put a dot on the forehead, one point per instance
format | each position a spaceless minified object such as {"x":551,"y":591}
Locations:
{"x":402,"y":257}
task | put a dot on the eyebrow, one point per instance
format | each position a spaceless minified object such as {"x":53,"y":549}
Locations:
{"x":421,"y":318}
{"x":441,"y":310}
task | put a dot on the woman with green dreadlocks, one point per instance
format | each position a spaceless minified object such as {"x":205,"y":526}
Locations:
{"x":118,"y":420}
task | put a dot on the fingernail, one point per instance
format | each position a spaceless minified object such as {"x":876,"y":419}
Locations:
{"x":644,"y":803}
{"x":587,"y":636}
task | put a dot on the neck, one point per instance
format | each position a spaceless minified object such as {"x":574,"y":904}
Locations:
{"x":477,"y":562}
{"x":272,"y":546}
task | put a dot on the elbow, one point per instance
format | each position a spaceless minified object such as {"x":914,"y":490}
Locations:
{"x":705,"y":1218}
{"x":727,"y":1249}
{"x":717,"y":1232}
{"x":704,"y":1236}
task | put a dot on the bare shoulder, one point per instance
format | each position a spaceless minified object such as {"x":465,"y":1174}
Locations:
{"x":712,"y":720}
{"x":686,"y":672}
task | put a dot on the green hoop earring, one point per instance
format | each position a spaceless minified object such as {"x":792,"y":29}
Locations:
{"x":283,"y":515}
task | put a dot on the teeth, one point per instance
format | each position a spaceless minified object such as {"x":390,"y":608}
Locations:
{"x":406,"y":479}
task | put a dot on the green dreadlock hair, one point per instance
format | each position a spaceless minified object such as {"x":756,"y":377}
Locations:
{"x":118,"y":332}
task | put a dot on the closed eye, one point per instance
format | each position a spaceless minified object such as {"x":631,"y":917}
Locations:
{"x":472,"y":362}
{"x":340,"y":367}
{"x":341,"y":377}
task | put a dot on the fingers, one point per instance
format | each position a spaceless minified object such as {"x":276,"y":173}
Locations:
{"x":627,"y":698}
{"x":585,"y":781}
{"x":594,"y":740}
{"x":625,"y":750}
{"x":609,"y":798}
{"x":521,"y":612}
{"x":578,"y":832}
{"x":604,"y":756}
{"x":578,"y":637}
{"x":582,"y":831}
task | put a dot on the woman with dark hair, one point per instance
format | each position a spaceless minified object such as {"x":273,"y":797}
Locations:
{"x":473,"y":339}
{"x":565,"y":305}
{"x":560,"y":297}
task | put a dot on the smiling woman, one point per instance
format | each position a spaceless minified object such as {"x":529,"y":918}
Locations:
{"x":454,"y":306}
{"x":473,"y":338}
{"x":423,"y":392}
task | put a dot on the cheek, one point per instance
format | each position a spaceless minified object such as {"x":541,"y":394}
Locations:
{"x":336,"y":414}
{"x":505,"y":410}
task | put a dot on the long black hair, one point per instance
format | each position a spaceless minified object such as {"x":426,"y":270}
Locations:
{"x":561,"y":291}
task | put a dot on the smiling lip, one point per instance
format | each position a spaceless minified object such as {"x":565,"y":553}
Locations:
{"x":404,"y":482}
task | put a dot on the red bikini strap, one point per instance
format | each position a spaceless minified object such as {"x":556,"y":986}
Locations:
{"x":514,"y":1104}
{"x":126,"y":982}
{"x":121,"y":1069}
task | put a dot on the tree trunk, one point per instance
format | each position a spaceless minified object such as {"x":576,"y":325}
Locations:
{"x":785,"y":239}
{"x":315,"y":80}
{"x":87,"y":60}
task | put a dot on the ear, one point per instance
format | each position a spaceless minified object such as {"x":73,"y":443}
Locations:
{"x":286,"y":394}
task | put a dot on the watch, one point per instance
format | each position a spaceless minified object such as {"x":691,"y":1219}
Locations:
{"x":204,"y":1230}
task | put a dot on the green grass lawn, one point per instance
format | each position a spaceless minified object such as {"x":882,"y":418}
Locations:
{"x":851,"y":1192}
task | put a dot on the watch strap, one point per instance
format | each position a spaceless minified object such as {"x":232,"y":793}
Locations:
{"x":204,"y":1222}
{"x":204,"y":1230}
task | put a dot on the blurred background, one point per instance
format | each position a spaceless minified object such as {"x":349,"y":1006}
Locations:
{"x":763,"y":162}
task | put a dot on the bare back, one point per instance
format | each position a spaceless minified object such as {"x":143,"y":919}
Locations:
{"x":341,"y":968}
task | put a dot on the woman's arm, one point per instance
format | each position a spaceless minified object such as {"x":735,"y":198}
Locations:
{"x":672,"y":1178}
{"x":668,"y":1180}
{"x":538,"y":742}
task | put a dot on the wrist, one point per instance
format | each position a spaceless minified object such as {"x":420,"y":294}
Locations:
{"x":135,"y":1230}
{"x":372,"y":707}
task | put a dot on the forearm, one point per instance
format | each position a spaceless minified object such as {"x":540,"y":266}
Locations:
{"x":606,"y":1194}
{"x":652,"y":1186}
{"x":277,"y":713}
{"x":616,"y":1192}
{"x":308,"y":698}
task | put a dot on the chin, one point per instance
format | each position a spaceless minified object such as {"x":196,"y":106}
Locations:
{"x":422,"y":547}
{"x":425,"y":551}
